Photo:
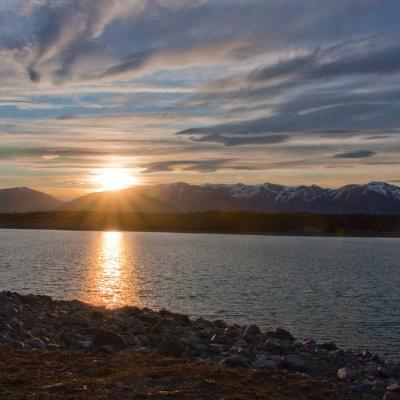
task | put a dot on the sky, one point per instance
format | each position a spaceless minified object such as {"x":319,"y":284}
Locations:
{"x":227,"y":91}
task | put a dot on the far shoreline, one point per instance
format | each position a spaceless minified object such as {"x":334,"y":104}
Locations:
{"x":311,"y":235}
{"x":211,"y":222}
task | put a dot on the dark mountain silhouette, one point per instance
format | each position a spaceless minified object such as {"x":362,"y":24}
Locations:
{"x":372,"y":198}
{"x":23,"y":199}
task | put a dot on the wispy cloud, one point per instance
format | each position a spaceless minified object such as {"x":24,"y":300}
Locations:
{"x":185,"y":88}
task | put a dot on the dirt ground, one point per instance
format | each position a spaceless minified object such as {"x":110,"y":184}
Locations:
{"x":63,"y":375}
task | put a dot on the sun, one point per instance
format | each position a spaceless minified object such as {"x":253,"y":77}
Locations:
{"x":114,"y":179}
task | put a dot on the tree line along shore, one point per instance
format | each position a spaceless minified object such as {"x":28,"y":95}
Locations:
{"x":212,"y":222}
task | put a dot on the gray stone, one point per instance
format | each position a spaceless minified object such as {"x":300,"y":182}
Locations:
{"x":394,"y":387}
{"x":216,"y":348}
{"x":35,"y":343}
{"x":220,"y":339}
{"x":5,"y":337}
{"x":263,"y":362}
{"x":293,"y":361}
{"x":310,"y":345}
{"x":16,"y":323}
{"x":240,"y":345}
{"x":389,"y":395}
{"x":281,"y":334}
{"x":275,"y":346}
{"x":171,"y":348}
{"x":250,"y":332}
{"x":19,"y":345}
{"x":384,"y":372}
{"x":378,"y":386}
{"x":330,"y":346}
{"x":345,"y":373}
{"x":104,"y":337}
{"x":235,"y":361}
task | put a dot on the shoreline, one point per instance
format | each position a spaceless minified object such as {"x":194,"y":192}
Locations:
{"x":288,"y":234}
{"x":39,"y":323}
{"x":212,"y":222}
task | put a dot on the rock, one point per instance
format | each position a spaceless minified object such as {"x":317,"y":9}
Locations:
{"x":384,"y":372}
{"x":368,"y":396}
{"x":171,"y":348}
{"x":345,"y":373}
{"x":330,"y":346}
{"x":391,"y":395}
{"x":104,"y":337}
{"x":239,"y":345}
{"x":182,"y":319}
{"x":310,"y":345}
{"x":216,"y":348}
{"x":378,"y":386}
{"x":394,"y":387}
{"x":5,"y":337}
{"x":162,"y":325}
{"x":219,"y":323}
{"x":97,"y":315}
{"x":7,"y":310}
{"x":53,"y":346}
{"x":235,"y":361}
{"x":16,"y":323}
{"x":149,"y":318}
{"x":281,"y":334}
{"x":219,"y":339}
{"x":263,"y":362}
{"x":232,"y":332}
{"x":85,"y":344}
{"x":109,"y":349}
{"x":250,"y":332}
{"x":19,"y":345}
{"x":294,"y":361}
{"x":303,"y":375}
{"x":74,"y":319}
{"x":35,"y":343}
{"x":275,"y":346}
{"x":366,"y":354}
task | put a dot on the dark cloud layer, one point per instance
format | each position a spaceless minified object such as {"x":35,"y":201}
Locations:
{"x":356,"y":154}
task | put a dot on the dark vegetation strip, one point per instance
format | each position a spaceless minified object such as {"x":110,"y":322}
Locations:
{"x":65,"y":375}
{"x":216,"y":222}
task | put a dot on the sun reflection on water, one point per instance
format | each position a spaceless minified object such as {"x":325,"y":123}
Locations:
{"x":111,"y":278}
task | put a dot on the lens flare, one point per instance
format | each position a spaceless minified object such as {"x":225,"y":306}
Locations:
{"x":114,"y":179}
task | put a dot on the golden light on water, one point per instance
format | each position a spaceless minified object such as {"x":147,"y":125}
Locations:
{"x":111,"y":277}
{"x":114,"y":179}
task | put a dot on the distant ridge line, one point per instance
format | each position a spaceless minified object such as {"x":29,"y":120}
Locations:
{"x":371,"y":198}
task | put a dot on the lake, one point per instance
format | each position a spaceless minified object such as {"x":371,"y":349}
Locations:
{"x":342,"y":289}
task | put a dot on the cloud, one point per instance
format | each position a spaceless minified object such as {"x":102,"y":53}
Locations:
{"x":356,"y":154}
{"x":49,"y":157}
{"x":181,"y":87}
{"x":171,"y":58}
{"x":242,"y":140}
{"x":186,"y":165}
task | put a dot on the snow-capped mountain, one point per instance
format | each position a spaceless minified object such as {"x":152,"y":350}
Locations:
{"x":372,"y":198}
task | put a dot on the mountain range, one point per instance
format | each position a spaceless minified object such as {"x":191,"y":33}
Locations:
{"x":371,"y":198}
{"x":23,"y":199}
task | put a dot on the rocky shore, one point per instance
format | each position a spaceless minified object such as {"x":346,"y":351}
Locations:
{"x":41,"y":324}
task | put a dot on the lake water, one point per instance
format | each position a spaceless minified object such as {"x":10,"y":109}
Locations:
{"x":342,"y":289}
